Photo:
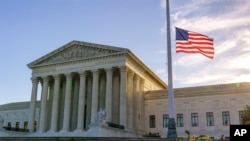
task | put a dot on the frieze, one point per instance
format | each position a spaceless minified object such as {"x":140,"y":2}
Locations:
{"x":76,"y":65}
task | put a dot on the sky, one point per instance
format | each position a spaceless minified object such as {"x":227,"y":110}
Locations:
{"x":30,"y":29}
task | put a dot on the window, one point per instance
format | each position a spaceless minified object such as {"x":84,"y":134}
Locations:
{"x":194,"y":119}
{"x":9,"y":126}
{"x":210,"y":119}
{"x":180,"y":120}
{"x":25,"y":126}
{"x":225,"y":118}
{"x":17,"y":126}
{"x":152,"y":121}
{"x":165,"y":120}
{"x":35,"y":124}
{"x":240,"y":117}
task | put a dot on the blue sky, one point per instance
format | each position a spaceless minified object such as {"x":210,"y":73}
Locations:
{"x":29,"y":29}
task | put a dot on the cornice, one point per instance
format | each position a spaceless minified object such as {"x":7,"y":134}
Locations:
{"x":210,"y":90}
{"x":141,"y":66}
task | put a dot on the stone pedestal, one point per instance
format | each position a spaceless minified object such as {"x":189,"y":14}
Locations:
{"x":172,"y":133}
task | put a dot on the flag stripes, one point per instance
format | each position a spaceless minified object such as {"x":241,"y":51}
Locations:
{"x":191,"y":42}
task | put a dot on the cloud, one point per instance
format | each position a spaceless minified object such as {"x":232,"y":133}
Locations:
{"x":228,"y":22}
{"x":163,"y":4}
{"x":235,"y":17}
{"x":162,"y":73}
{"x":164,"y":52}
{"x":225,"y":69}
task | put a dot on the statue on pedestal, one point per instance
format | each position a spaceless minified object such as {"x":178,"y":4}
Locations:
{"x":101,"y":116}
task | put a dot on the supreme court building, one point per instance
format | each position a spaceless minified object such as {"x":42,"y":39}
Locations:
{"x":80,"y":80}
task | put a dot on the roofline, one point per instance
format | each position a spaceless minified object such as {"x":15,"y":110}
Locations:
{"x":148,"y":69}
{"x":77,"y":42}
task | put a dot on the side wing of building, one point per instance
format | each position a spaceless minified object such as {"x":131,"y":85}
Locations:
{"x":201,"y":110}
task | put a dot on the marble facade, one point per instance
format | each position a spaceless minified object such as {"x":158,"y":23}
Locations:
{"x":80,"y":78}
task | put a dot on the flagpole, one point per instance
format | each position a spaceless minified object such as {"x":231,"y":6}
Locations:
{"x":171,"y":134}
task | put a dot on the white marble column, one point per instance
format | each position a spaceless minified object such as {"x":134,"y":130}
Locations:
{"x":81,"y":102}
{"x":108,"y":102}
{"x":140,"y":105}
{"x":130,"y":102}
{"x":33,"y":104}
{"x":66,"y":114}
{"x":123,"y":96}
{"x":54,"y":116}
{"x":135,"y":101}
{"x":42,"y":123}
{"x":95,"y":87}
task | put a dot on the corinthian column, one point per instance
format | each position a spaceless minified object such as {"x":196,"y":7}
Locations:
{"x":81,"y":102}
{"x":66,"y":115}
{"x":141,"y":99}
{"x":54,"y":116}
{"x":130,"y":99}
{"x":42,"y":122}
{"x":135,"y":101}
{"x":123,"y":96}
{"x":108,"y":102}
{"x":33,"y":104}
{"x":95,"y":88}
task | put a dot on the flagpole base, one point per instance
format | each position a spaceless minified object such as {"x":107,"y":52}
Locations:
{"x":172,"y":134}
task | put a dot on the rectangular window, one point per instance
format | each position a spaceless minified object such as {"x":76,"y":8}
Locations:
{"x":17,"y":126}
{"x":225,"y":118}
{"x":25,"y":126}
{"x":152,"y":121}
{"x":210,"y":119}
{"x":35,"y":125}
{"x":165,"y":120}
{"x":194,"y":119}
{"x":9,"y":126}
{"x":180,"y":120}
{"x":240,"y":117}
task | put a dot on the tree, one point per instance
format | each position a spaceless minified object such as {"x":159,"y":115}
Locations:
{"x":246,"y":115}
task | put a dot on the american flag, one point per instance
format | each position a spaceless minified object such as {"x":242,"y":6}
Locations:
{"x":192,"y":42}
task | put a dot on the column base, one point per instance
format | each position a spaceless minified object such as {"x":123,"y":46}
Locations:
{"x":78,"y":130}
{"x":172,"y":134}
{"x":64,"y":131}
{"x":52,"y":131}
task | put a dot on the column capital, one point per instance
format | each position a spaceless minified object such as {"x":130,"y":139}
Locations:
{"x":124,"y":68}
{"x":68,"y":75}
{"x":81,"y":73}
{"x":131,"y":73}
{"x":95,"y":71}
{"x":34,"y":80}
{"x":56,"y":76}
{"x":109,"y":69}
{"x":45,"y":78}
{"x":136,"y":77}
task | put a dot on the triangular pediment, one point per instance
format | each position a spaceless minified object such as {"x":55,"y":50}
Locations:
{"x":76,"y":50}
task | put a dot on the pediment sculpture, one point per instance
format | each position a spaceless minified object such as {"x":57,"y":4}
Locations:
{"x":76,"y":52}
